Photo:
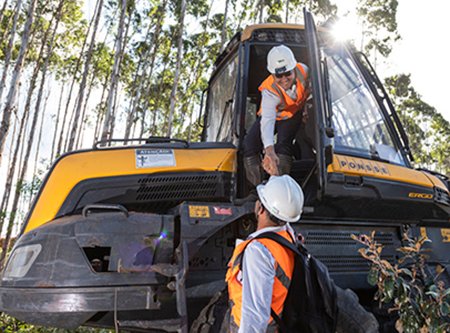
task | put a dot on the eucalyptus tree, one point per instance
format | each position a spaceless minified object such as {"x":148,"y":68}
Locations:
{"x":112,"y":94}
{"x":427,"y":129}
{"x":145,"y":50}
{"x":379,"y":25}
{"x":40,"y":132}
{"x":173,"y":93}
{"x":29,"y":144}
{"x":3,"y":10}
{"x":201,"y":51}
{"x":19,"y":139}
{"x":223,"y":35}
{"x":87,"y":64}
{"x":72,"y":64}
{"x":9,"y":47}
{"x":157,"y":36}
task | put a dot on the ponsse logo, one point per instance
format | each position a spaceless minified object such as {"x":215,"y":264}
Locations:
{"x":420,"y":195}
{"x":360,"y":165}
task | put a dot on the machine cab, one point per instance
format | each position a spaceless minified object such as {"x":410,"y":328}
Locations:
{"x":352,"y":154}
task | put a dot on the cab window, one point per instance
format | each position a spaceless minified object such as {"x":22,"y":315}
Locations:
{"x":221,"y":103}
{"x":360,"y":128}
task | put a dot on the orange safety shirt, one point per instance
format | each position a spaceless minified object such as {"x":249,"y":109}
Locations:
{"x":284,"y":263}
{"x":287,"y":106}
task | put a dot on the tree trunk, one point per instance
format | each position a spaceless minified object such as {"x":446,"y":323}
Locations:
{"x":87,"y":64}
{"x":224,"y":27}
{"x":29,"y":145}
{"x":173,"y":94}
{"x":114,"y":75}
{"x":261,"y":10}
{"x":138,"y":83}
{"x":10,"y":101}
{"x":155,"y":45}
{"x":84,"y":118}
{"x":287,"y":11}
{"x":113,"y":115}
{"x":2,"y":14}
{"x":9,"y":48}
{"x":38,"y":144}
{"x":100,"y":113}
{"x":34,"y":76}
{"x":159,"y":96}
{"x":12,"y":170}
{"x":69,"y":96}
{"x":58,"y":115}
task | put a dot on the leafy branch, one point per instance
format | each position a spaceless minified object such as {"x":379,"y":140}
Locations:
{"x":415,"y":294}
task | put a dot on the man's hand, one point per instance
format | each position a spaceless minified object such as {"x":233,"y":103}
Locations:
{"x":271,"y":161}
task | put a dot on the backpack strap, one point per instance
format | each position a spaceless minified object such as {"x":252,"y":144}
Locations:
{"x":301,"y":251}
{"x":279,"y":322}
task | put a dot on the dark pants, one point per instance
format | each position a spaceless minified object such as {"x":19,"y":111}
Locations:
{"x":285,"y":129}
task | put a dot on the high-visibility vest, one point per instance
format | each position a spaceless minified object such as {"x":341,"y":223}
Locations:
{"x":284,"y":267}
{"x":288,"y":107}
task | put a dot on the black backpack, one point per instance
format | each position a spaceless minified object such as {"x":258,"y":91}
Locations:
{"x":311,"y":302}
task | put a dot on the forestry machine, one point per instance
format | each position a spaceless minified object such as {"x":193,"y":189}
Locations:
{"x":138,"y":236}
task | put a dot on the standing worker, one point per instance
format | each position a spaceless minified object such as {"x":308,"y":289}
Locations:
{"x":283,"y":93}
{"x":259,"y":280}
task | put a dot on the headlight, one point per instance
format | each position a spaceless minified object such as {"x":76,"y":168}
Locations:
{"x":21,"y":260}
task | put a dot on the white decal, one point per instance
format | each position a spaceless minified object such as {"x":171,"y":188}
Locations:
{"x":153,"y":158}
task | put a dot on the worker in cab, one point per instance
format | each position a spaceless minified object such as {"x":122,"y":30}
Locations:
{"x":283,"y":95}
{"x":259,"y":280}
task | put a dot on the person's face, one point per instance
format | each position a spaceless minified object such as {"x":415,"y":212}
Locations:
{"x":285,"y":80}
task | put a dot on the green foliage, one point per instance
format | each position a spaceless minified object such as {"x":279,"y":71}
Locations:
{"x":380,"y":24}
{"x":12,"y":325}
{"x":428,"y":131}
{"x":420,"y":299}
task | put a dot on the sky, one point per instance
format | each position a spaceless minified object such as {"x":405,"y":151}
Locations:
{"x":423,"y":50}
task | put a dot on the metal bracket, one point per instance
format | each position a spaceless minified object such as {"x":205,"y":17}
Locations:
{"x":179,"y":272}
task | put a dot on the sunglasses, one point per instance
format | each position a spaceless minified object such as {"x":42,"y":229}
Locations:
{"x":285,"y":74}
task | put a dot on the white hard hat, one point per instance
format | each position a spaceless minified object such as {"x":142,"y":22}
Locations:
{"x":282,"y":197}
{"x":280,"y":60}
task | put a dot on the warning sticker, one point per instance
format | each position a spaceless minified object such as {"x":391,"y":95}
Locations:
{"x":223,"y":211}
{"x":199,"y":211}
{"x":445,"y":235}
{"x":153,"y":158}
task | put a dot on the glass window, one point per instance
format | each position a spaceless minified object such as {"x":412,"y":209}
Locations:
{"x":360,"y":128}
{"x":221,"y":103}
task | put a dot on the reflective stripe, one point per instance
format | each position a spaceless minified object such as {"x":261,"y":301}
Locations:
{"x":288,"y":106}
{"x":234,"y":328}
{"x":238,"y":260}
{"x":301,"y":76}
{"x":281,"y":275}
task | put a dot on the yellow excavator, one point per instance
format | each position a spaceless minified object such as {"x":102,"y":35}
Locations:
{"x":138,"y":235}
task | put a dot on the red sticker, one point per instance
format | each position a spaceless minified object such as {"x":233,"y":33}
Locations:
{"x":223,"y":211}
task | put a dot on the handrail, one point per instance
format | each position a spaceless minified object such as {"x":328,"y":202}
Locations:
{"x":152,"y":139}
{"x":385,"y":97}
{"x":104,"y":207}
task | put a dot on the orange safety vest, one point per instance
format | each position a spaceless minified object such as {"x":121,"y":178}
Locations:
{"x":284,"y":263}
{"x":288,"y":107}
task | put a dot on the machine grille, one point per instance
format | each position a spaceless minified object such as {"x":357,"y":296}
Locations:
{"x":155,"y":193}
{"x":179,"y":187}
{"x":280,"y":35}
{"x":339,"y":252}
{"x":441,"y":196}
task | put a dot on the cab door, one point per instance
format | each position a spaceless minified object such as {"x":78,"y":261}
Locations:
{"x":322,"y":109}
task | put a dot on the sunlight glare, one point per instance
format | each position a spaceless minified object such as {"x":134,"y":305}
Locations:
{"x":343,"y":30}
